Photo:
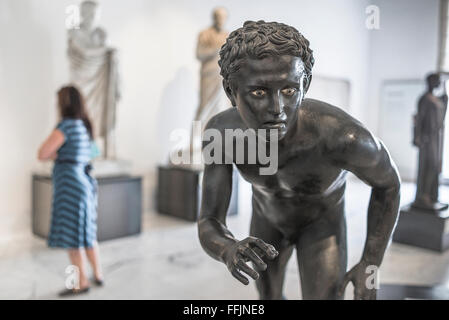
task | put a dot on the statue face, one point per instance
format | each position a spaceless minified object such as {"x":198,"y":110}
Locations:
{"x":435,"y":83}
{"x":268,"y":92}
{"x":88,"y":13}
{"x":220,"y":17}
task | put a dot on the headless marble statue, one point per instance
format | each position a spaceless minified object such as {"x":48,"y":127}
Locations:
{"x":93,"y":69}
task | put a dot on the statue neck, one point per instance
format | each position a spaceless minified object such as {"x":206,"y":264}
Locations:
{"x":86,"y":27}
{"x":216,"y":28}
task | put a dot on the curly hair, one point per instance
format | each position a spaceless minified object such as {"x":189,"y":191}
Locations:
{"x":261,"y":39}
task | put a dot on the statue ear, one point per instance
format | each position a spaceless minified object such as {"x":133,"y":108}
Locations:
{"x":307,"y":81}
{"x":229,"y":92}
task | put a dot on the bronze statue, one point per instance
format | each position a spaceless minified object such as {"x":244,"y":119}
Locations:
{"x":267,"y":69}
{"x":428,"y":137}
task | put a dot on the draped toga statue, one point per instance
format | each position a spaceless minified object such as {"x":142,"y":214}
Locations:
{"x":428,"y":137}
{"x":93,"y":69}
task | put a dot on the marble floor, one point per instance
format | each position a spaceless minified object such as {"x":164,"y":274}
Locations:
{"x":167,"y":262}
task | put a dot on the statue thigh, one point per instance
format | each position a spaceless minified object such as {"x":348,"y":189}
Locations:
{"x":322,"y":256}
{"x":271,"y":281}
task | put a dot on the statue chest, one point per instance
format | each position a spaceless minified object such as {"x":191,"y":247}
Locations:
{"x":298,"y":175}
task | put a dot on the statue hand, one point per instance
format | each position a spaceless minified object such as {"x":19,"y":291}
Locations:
{"x":250,"y":249}
{"x":361,"y":276}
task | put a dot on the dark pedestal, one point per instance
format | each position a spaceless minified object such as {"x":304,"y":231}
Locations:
{"x":423,"y":228}
{"x":119,"y":212}
{"x":407,"y":292}
{"x":179,"y":193}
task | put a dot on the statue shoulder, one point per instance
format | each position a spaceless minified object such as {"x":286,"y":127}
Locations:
{"x":100,"y":29}
{"x":227,"y":119}
{"x":204,"y":34}
{"x":342,"y":135}
{"x":325,"y":117}
{"x":73,"y":35}
{"x":424,"y":98}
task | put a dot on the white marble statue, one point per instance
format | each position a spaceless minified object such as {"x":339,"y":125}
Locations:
{"x":212,"y":96}
{"x":93,"y":69}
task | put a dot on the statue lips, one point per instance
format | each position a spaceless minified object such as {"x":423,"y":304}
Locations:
{"x":274,"y":125}
{"x":279,"y":122}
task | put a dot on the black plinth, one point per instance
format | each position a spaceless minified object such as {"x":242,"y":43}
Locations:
{"x":409,"y":292}
{"x":179,"y":193}
{"x":119,"y":212}
{"x":423,"y":228}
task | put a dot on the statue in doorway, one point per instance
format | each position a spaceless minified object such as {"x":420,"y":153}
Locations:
{"x":428,"y":137}
{"x":93,"y":69}
{"x":267,"y":70}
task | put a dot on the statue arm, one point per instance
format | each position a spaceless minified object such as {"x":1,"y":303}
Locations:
{"x":370,"y":161}
{"x":88,"y":52}
{"x":444,"y":99}
{"x":418,"y":123}
{"x":215,"y":237}
{"x":94,"y":52}
{"x":213,"y":232}
{"x":204,"y":51}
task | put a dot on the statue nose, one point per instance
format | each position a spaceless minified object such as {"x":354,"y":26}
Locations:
{"x":276,"y":105}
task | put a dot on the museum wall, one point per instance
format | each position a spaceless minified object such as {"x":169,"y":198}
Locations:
{"x":402,"y":51}
{"x":159,"y":75}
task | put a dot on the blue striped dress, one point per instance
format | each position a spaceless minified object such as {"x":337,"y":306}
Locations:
{"x":74,"y":207}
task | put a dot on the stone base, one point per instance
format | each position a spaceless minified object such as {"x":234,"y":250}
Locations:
{"x":119,"y":212}
{"x":179,"y":192}
{"x":102,"y":168}
{"x":423,"y":228}
{"x":408,"y":292}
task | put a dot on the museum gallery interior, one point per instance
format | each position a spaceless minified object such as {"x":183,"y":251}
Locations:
{"x":224,"y":150}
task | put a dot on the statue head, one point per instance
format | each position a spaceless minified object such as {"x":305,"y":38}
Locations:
{"x":219,"y":15}
{"x":433,"y":81}
{"x":88,"y":13}
{"x":266,"y":69}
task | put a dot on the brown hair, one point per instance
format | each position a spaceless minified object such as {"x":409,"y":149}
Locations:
{"x":71,"y":105}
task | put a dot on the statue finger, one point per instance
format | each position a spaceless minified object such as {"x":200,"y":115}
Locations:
{"x":254,"y":258}
{"x":269,"y":250}
{"x":248,"y":270}
{"x":258,"y":251}
{"x":240,"y":277}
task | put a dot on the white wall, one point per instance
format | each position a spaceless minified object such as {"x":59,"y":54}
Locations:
{"x":156,"y":41}
{"x":405,"y":47}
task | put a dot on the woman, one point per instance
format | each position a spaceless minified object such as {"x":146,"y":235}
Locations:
{"x":73,"y":222}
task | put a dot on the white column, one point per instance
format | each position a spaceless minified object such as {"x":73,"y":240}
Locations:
{"x":443,"y":50}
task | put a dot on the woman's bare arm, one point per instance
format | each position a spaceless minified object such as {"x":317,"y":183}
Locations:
{"x":48,"y":149}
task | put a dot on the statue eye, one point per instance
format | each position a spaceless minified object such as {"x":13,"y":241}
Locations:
{"x":289,"y":91}
{"x":258,"y":93}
